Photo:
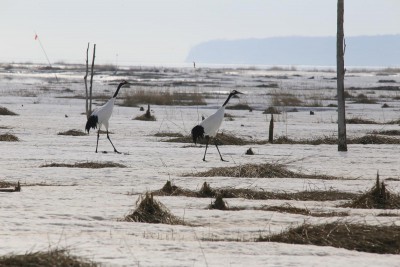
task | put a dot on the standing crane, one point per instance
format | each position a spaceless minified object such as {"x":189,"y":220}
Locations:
{"x":101,"y":116}
{"x":209,"y":127}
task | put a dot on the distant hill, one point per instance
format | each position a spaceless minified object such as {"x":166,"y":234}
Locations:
{"x":379,"y":50}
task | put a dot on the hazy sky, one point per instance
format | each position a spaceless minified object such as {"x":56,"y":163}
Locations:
{"x":163,"y":31}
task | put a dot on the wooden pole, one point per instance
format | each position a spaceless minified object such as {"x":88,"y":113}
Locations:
{"x":271,"y":130}
{"x":340,"y":49}
{"x":91,"y":76}
{"x":85,"y":79}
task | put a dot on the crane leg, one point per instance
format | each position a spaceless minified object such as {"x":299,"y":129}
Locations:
{"x":98,"y":136}
{"x":205,"y":152}
{"x":115,"y":150}
{"x":215,"y":142}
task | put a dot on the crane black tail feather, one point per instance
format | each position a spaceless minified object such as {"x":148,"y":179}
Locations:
{"x":197,"y":133}
{"x":91,"y":123}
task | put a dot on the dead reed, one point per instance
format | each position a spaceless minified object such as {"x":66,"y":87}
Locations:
{"x":73,"y":132}
{"x":219,"y":204}
{"x":368,"y":139}
{"x":165,"y":97}
{"x":6,"y":112}
{"x":223,"y":138}
{"x":52,"y":258}
{"x":206,"y":191}
{"x":378,"y":197}
{"x":287,"y":208}
{"x":89,"y":165}
{"x":365,"y":238}
{"x":8,"y":138}
{"x":265,"y":170}
{"x":150,"y":210}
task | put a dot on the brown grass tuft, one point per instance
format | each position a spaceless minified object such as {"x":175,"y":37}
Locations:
{"x":287,"y":208}
{"x":219,"y":204}
{"x":8,"y":138}
{"x":365,"y":140}
{"x":246,"y":193}
{"x":378,"y":197}
{"x":359,"y":120}
{"x":165,"y":134}
{"x":150,"y":210}
{"x":206,"y":191}
{"x":53,"y":258}
{"x":222,"y":139}
{"x":163,"y":98}
{"x":266,"y":170}
{"x":90,"y":165}
{"x":365,"y":238}
{"x":7,"y":112}
{"x":73,"y":132}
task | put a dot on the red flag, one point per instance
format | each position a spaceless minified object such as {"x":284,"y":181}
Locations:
{"x":36,"y":36}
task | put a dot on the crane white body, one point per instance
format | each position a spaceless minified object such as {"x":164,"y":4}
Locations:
{"x":212,"y":124}
{"x":209,"y":127}
{"x":102,"y":115}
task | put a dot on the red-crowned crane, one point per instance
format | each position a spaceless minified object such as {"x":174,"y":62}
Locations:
{"x":209,"y":127}
{"x":101,"y":116}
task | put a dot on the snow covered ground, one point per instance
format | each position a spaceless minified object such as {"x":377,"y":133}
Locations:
{"x":79,"y":209}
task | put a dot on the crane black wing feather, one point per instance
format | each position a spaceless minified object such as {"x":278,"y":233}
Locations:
{"x":197,"y":133}
{"x":92,"y":122}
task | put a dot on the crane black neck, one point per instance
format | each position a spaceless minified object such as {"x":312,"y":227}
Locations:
{"x":116,"y":92}
{"x":227,"y":100}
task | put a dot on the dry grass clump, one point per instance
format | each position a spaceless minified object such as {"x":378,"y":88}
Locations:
{"x":89,"y":165}
{"x":394,"y":122}
{"x":378,"y":197}
{"x":359,"y":120}
{"x":218,"y":204}
{"x":10,"y":189}
{"x":146,"y":116}
{"x":165,"y":134}
{"x":285,"y":99}
{"x":150,"y":210}
{"x":249,"y":151}
{"x":207,"y":191}
{"x":327,"y":140}
{"x":271,"y":110}
{"x":5,"y":184}
{"x":240,"y":106}
{"x":387,"y":132}
{"x":172,"y":190}
{"x":364,"y":140}
{"x":365,"y":238}
{"x":265,"y":170}
{"x":222,"y":139}
{"x":52,"y":258}
{"x":163,"y":98}
{"x":8,"y":138}
{"x":73,"y":132}
{"x":363,"y":99}
{"x":287,"y":208}
{"x":5,"y":111}
{"x":374,"y":139}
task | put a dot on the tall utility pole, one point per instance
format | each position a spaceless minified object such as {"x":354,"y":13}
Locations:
{"x":340,"y":70}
